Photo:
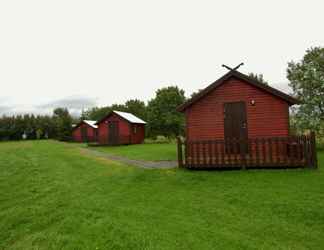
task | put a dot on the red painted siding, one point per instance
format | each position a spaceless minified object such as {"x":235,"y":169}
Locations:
{"x":139,"y":136}
{"x":268,"y":117}
{"x":91,"y":133}
{"x":76,"y":134}
{"x":126,"y":132}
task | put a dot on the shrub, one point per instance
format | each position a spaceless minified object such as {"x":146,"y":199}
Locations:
{"x":158,"y":139}
{"x":320,"y":143}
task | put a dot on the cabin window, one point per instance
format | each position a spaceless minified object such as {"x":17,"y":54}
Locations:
{"x":134,"y":129}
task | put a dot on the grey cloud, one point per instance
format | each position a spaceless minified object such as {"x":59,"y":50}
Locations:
{"x":72,"y":102}
{"x":4,"y":109}
{"x":283,"y":86}
{"x":75,"y":104}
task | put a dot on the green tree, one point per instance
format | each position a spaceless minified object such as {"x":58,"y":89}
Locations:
{"x":119,"y":107}
{"x":84,"y":115}
{"x":63,"y":123}
{"x":195,"y":93}
{"x":29,"y":126}
{"x":137,"y":108}
{"x":96,"y":113}
{"x":307,"y":81}
{"x":35,"y":127}
{"x":161,"y":112}
{"x":258,"y":77}
{"x":39,"y":133}
{"x":5,"y":128}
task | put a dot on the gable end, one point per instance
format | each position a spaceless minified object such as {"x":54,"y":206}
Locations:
{"x":287,"y":98}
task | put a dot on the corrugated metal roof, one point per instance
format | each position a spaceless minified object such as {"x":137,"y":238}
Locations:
{"x":91,"y":123}
{"x":130,"y":117}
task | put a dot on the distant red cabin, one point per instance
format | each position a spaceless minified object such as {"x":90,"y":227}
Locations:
{"x":237,"y":106}
{"x":120,"y":128}
{"x":85,"y":131}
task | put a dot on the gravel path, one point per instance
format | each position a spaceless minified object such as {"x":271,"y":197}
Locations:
{"x":136,"y":163}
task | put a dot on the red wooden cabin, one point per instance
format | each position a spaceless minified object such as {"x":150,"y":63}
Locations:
{"x":118,"y":128}
{"x":85,"y":131}
{"x":239,"y":121}
{"x":237,"y":106}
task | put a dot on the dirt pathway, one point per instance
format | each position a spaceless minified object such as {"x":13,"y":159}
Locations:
{"x":136,"y":163}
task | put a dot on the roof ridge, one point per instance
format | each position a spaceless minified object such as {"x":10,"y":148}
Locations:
{"x":125,"y":115}
{"x":291,"y":100}
{"x":87,"y":122}
{"x":122,"y":112}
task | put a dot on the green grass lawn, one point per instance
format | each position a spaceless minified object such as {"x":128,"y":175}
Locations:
{"x":149,"y":152}
{"x":53,"y":197}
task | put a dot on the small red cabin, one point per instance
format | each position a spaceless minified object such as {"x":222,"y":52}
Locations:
{"x":237,"y":106}
{"x":120,"y":128}
{"x":239,"y":122}
{"x":85,"y":131}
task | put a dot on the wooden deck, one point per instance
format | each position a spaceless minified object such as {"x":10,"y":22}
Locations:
{"x":292,"y":151}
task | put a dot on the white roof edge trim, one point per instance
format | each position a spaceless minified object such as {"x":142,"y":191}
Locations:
{"x":129,"y":117}
{"x":91,"y":123}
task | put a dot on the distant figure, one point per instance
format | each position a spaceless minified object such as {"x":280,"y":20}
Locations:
{"x":24,"y":136}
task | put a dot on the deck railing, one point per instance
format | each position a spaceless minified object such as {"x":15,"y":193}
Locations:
{"x":292,"y":151}
{"x":119,"y":140}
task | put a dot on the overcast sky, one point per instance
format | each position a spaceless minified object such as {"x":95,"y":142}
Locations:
{"x":84,"y":53}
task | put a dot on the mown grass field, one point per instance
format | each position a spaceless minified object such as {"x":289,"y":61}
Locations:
{"x":53,"y":197}
{"x":148,"y":152}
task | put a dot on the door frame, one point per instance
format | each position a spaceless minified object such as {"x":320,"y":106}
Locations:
{"x":113,"y":140}
{"x":84,"y":134}
{"x":243,"y":146}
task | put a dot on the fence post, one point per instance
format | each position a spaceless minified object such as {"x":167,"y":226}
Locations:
{"x":180,"y":159}
{"x":243,"y":149}
{"x":313,"y":150}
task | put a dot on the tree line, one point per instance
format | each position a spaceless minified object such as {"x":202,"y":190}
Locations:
{"x":306,"y":79}
{"x":159,"y":113}
{"x":28,"y":126}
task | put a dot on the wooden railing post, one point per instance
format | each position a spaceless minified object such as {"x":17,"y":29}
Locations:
{"x":180,"y":158}
{"x":313,"y":150}
{"x":243,"y":149}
